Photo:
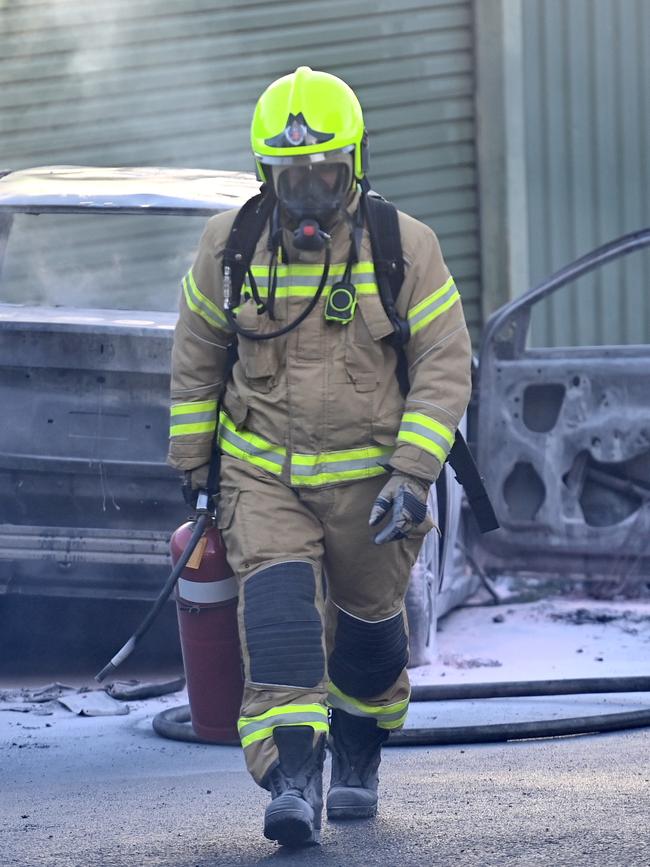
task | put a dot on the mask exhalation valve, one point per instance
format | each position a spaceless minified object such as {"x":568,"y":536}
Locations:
{"x":309,"y":236}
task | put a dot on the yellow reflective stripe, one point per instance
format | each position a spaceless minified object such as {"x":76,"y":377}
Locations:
{"x":331,"y":478}
{"x":301,"y":270}
{"x":426,"y":433}
{"x":253,"y":728}
{"x":330,"y":467}
{"x":287,"y":708}
{"x":390,"y":716}
{"x":426,"y":444}
{"x":310,"y":291}
{"x":250,"y":447}
{"x":289,"y":276}
{"x":393,"y":724}
{"x":306,"y":470}
{"x":413,"y":312}
{"x":199,"y":406}
{"x":176,"y":430}
{"x":193,"y":418}
{"x":345,"y":455}
{"x":424,"y":421}
{"x":201,"y":305}
{"x":265,"y":733}
{"x":256,"y":460}
{"x":254,"y":439}
{"x":437,"y":312}
{"x":374,"y":710}
{"x":433,"y":306}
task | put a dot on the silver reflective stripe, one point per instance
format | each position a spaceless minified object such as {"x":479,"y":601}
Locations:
{"x":194,"y":417}
{"x":325,"y":466}
{"x":245,"y":446}
{"x":425,"y":432}
{"x":289,"y":280}
{"x":281,"y":719}
{"x":207,"y":592}
{"x":198,"y":302}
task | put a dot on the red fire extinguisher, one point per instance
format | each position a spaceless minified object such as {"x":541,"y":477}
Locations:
{"x":206,"y":602}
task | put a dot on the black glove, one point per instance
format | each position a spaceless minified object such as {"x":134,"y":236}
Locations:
{"x":406,"y":499}
{"x":193,"y":481}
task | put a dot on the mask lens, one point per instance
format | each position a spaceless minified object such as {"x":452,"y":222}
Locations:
{"x":312,"y":190}
{"x":322,"y":177}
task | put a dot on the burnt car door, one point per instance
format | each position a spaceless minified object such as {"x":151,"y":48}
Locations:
{"x":563,"y":439}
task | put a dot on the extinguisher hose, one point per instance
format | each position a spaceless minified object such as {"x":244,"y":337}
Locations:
{"x":122,"y":654}
{"x":175,"y":723}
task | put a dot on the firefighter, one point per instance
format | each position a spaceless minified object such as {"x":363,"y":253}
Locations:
{"x":326,"y":464}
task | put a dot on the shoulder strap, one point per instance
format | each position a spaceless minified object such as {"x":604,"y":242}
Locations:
{"x":467,"y":474}
{"x":245,"y":233}
{"x":386,"y":243}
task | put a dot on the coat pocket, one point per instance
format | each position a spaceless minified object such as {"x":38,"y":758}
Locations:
{"x":236,"y":407}
{"x":260,"y":359}
{"x":364,"y":350}
{"x":226,"y":509}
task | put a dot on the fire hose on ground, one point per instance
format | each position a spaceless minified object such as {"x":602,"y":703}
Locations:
{"x":176,"y":723}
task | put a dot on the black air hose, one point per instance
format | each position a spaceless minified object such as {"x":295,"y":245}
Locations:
{"x":129,"y":647}
{"x":175,"y":723}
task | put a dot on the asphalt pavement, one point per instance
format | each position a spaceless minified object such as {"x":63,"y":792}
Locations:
{"x":108,"y":792}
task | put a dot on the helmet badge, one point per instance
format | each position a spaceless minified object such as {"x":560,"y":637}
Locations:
{"x":296,"y":133}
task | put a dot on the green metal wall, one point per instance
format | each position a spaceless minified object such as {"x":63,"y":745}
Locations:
{"x":587,"y":112}
{"x":173,"y":82}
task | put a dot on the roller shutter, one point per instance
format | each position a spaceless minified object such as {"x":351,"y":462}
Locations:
{"x":173,"y":82}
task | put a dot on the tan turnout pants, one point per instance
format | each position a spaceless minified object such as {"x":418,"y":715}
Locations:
{"x":347,"y":617}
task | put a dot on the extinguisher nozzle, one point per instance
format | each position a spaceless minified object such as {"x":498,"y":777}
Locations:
{"x":118,"y":659}
{"x":103,"y":674}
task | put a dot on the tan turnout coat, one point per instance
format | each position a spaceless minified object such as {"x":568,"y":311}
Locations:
{"x":318,"y":399}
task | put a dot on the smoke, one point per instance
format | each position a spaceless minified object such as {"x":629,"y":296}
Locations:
{"x":98,"y":49}
{"x":101,"y":261}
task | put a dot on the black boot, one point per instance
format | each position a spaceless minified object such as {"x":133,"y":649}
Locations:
{"x":293,"y":817}
{"x":355,"y":743}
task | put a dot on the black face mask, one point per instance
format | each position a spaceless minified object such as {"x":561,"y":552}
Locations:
{"x":313,"y":191}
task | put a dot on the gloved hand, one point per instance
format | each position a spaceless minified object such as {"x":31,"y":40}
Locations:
{"x":193,"y":481}
{"x":406,"y":496}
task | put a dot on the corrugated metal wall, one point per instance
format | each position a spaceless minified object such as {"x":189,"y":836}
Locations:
{"x":587,"y":86}
{"x":173,"y":82}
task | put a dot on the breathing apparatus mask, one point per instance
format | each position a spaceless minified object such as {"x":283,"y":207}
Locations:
{"x":312,"y":194}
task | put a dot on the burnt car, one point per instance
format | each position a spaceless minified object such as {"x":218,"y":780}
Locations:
{"x":90,"y":264}
{"x":87,"y":502}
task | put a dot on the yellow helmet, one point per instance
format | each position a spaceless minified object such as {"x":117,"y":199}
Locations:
{"x":306,"y":117}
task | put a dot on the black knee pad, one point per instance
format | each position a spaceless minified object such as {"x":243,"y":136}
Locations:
{"x":367,"y":657}
{"x":283,"y":626}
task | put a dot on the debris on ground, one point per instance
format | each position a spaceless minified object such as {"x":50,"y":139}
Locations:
{"x":548,"y":639}
{"x":583,"y":616}
{"x":457,"y":661}
{"x":135,"y":690}
{"x":84,"y":700}
{"x":93,"y":703}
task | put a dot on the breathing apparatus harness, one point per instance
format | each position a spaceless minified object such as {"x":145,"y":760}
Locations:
{"x":383,"y":227}
{"x":310,"y":236}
